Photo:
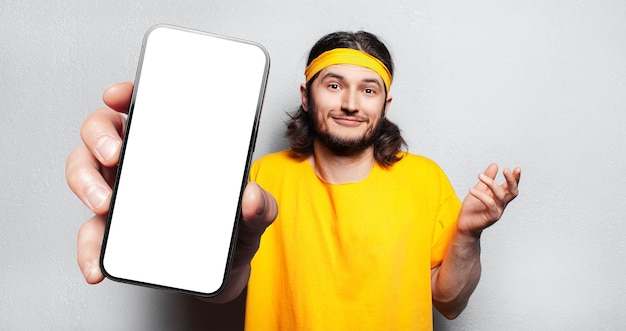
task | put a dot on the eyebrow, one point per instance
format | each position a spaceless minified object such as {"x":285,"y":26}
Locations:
{"x":341,"y":77}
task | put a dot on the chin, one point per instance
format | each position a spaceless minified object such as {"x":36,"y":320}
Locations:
{"x":345,"y":146}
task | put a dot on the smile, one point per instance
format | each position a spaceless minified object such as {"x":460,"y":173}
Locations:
{"x":348,"y":120}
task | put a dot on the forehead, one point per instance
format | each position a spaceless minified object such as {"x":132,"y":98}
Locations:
{"x":351,"y":72}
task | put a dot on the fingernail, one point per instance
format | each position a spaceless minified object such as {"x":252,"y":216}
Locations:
{"x":106,"y":147}
{"x":87,"y":268}
{"x":96,"y":195}
{"x":261,"y":208}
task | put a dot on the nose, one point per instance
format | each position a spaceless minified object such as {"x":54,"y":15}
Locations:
{"x":350,"y":102}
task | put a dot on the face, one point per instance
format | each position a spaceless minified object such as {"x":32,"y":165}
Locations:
{"x":347,"y":104}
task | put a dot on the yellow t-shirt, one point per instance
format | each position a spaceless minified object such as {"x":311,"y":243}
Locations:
{"x":351,"y":256}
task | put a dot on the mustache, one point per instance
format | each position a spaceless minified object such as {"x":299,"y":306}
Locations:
{"x":348,"y":116}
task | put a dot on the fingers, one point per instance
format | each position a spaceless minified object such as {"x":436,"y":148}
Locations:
{"x":495,"y":196}
{"x":117,"y":96}
{"x":101,"y":132}
{"x":87,"y":181}
{"x":90,"y":171}
{"x":88,"y":249}
{"x":512,"y":180}
{"x":491,"y":171}
{"x":487,"y":177}
{"x":492,"y":209}
{"x":491,"y":186}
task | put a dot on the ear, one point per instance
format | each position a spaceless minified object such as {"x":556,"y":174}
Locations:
{"x":387,"y":105}
{"x":303,"y":96}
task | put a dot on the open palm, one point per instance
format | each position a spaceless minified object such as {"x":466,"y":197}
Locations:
{"x":486,"y":201}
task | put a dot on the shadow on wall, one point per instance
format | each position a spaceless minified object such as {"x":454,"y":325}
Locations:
{"x":439,"y":322}
{"x":185,"y":312}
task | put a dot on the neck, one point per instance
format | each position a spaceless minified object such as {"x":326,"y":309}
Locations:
{"x":339,"y":169}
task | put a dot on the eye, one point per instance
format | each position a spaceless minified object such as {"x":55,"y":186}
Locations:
{"x":333,"y":86}
{"x":368,"y":90}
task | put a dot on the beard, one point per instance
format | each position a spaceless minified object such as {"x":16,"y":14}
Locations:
{"x":343,"y":146}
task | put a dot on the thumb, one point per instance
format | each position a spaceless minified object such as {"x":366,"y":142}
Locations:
{"x":258,"y":208}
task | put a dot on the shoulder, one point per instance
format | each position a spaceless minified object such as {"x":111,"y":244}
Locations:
{"x":424,"y":176}
{"x":419,"y":169}
{"x":416,"y":163}
{"x":280,"y":157}
{"x":276,"y":162}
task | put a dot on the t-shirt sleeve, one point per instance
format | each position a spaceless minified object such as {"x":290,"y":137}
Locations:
{"x":445,"y":221}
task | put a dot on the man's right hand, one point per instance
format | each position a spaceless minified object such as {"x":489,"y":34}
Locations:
{"x":90,"y":172}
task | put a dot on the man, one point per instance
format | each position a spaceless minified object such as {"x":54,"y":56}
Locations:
{"x":344,"y":231}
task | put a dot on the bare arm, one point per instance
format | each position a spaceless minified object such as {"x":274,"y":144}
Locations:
{"x":454,"y":281}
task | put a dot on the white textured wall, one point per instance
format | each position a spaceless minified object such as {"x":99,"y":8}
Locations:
{"x":539,"y":84}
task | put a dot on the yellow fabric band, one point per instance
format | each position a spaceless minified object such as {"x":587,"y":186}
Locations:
{"x":348,"y":56}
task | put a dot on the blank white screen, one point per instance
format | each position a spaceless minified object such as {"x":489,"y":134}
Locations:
{"x":196,"y":104}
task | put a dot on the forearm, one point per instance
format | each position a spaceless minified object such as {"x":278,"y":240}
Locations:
{"x":247,"y":246}
{"x":454,"y":281}
{"x":259,"y":209}
{"x":237,"y":281}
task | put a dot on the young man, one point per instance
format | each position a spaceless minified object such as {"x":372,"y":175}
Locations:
{"x":344,"y":231}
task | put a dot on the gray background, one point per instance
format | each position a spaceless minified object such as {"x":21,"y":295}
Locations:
{"x":536,"y":84}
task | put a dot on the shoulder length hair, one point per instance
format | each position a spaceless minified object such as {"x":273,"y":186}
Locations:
{"x":300,"y":132}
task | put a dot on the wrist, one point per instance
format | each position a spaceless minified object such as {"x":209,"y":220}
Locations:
{"x":468,"y":235}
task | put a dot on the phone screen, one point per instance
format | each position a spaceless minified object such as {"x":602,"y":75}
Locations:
{"x":187,"y":148}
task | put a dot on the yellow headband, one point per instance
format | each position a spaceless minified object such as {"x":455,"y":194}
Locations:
{"x":348,"y":56}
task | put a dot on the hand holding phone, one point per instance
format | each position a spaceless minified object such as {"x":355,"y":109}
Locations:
{"x":189,"y":141}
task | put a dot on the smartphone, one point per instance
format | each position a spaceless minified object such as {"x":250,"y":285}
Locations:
{"x":187,"y":147}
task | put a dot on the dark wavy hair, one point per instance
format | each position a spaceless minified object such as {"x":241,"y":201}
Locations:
{"x":300,"y":131}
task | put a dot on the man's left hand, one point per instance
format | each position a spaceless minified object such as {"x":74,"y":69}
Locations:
{"x":485,"y":203}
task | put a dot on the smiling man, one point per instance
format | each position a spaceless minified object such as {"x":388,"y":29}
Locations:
{"x":350,"y":100}
{"x":345,"y":230}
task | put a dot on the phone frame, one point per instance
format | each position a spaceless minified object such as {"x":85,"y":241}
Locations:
{"x":104,"y":262}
